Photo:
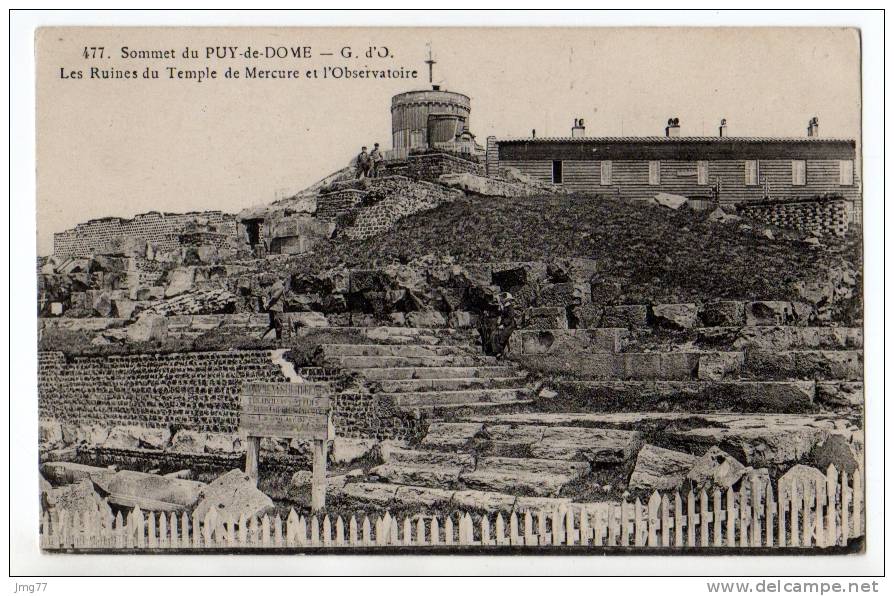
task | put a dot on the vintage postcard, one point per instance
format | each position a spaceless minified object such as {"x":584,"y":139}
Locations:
{"x":387,"y":290}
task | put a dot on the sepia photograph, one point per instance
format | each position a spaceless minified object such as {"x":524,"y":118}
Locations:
{"x":450,"y":290}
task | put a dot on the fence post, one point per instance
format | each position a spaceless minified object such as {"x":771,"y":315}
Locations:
{"x":730,"y":517}
{"x":678,"y":519}
{"x":625,"y":523}
{"x":500,"y":530}
{"x":665,"y":521}
{"x":703,"y":517}
{"x":755,"y":512}
{"x":654,"y":504}
{"x":857,"y":499}
{"x":513,"y":529}
{"x":844,"y":505}
{"x":717,"y":517}
{"x":584,"y":527}
{"x":352,"y":531}
{"x":807,"y":525}
{"x":831,"y":505}
{"x":436,"y":531}
{"x":420,"y":531}
{"x":638,"y":523}
{"x":569,"y":527}
{"x":448,"y":530}
{"x":744,"y":516}
{"x":794,"y":512}
{"x":529,"y":529}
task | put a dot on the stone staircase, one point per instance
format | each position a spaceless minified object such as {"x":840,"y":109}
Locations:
{"x":424,"y":372}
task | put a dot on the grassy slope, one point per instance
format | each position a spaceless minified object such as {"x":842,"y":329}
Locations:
{"x":644,"y":252}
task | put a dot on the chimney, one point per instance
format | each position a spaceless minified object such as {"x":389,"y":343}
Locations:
{"x":578,"y":130}
{"x":533,"y":133}
{"x":673,"y":127}
{"x":723,"y":127}
{"x":813,"y":127}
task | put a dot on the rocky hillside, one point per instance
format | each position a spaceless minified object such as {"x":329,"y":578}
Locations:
{"x":643,"y":251}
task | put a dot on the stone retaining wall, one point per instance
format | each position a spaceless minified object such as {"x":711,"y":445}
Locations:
{"x":819,"y":217}
{"x":196,"y":391}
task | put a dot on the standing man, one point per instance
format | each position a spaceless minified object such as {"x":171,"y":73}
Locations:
{"x":364,"y":163}
{"x":377,"y":159}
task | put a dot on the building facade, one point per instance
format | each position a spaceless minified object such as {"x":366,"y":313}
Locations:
{"x":724,"y":169}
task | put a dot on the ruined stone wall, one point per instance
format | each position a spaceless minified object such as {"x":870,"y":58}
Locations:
{"x":820,"y":217}
{"x":195,"y":391}
{"x":333,"y":204}
{"x":430,"y":166}
{"x":402,"y":198}
{"x":161,"y":229}
{"x":198,"y":391}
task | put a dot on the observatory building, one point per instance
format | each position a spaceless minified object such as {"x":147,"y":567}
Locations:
{"x":432,"y":119}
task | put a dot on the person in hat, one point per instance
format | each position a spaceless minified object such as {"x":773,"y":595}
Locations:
{"x":376,"y":158}
{"x":364,"y":163}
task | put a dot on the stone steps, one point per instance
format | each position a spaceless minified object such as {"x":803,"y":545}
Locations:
{"x":601,"y":340}
{"x":450,"y":435}
{"x":426,"y":468}
{"x":396,"y":335}
{"x":566,"y":443}
{"x":386,"y":495}
{"x":400,"y":373}
{"x":846,"y":365}
{"x":402,"y":350}
{"x":450,"y":384}
{"x":467,"y":398}
{"x":408,"y":361}
{"x":691,"y":396}
{"x":523,"y":476}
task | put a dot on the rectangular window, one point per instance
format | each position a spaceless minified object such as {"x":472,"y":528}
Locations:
{"x":799,"y":172}
{"x":751,"y":172}
{"x":605,"y":173}
{"x":654,"y":173}
{"x":846,"y":172}
{"x":557,"y":172}
{"x":702,"y":172}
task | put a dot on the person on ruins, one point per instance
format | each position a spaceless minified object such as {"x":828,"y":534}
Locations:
{"x":497,"y":326}
{"x":364,"y":163}
{"x":377,"y":158}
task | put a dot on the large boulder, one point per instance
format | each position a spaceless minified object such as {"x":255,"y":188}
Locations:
{"x":801,"y":479}
{"x":596,"y":445}
{"x":180,"y":280}
{"x":63,"y":472}
{"x":137,"y":437}
{"x":128,"y":487}
{"x":715,"y":468}
{"x":345,"y":450}
{"x":49,"y":433}
{"x":672,"y":201}
{"x":223,"y":443}
{"x":80,"y":498}
{"x":464,"y":181}
{"x":838,"y":451}
{"x":426,"y":319}
{"x":660,"y":469}
{"x":675,"y":316}
{"x":188,"y":441}
{"x":716,"y":366}
{"x":309,"y":319}
{"x":148,"y":327}
{"x":232,"y":495}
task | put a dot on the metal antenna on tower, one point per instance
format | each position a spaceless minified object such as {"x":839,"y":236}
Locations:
{"x":431,"y":63}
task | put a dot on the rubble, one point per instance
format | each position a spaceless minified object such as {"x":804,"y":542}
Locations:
{"x":232,"y":495}
{"x":660,"y":469}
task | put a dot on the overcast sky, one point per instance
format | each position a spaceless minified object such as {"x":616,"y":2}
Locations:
{"x":118,"y":148}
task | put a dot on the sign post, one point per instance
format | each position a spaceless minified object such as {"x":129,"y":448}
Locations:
{"x":291,"y":411}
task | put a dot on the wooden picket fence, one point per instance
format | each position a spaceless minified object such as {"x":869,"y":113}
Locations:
{"x":825,"y":515}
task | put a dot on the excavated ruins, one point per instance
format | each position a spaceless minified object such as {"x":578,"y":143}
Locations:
{"x":710,"y":351}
